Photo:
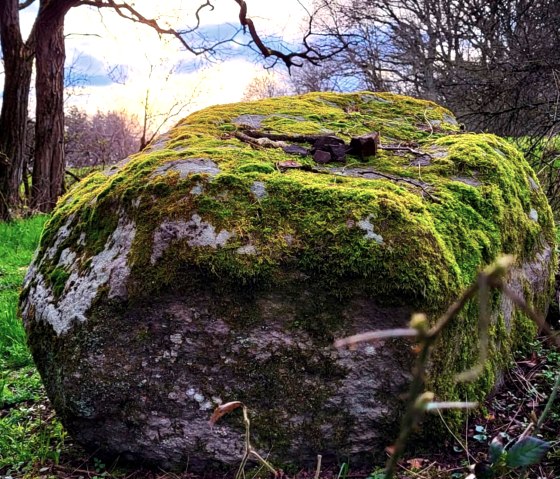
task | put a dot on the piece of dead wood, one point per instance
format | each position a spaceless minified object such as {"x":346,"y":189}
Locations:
{"x":365,"y":145}
{"x":403,"y":148}
{"x":282,"y":137}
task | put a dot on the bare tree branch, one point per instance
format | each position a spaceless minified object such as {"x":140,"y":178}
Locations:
{"x":26,"y":4}
{"x":130,"y":13}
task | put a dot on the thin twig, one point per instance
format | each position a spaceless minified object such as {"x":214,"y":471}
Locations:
{"x":375,"y":336}
{"x":318,"y":470}
{"x":404,"y":180}
{"x":549,"y":404}
{"x":73,"y":176}
{"x":404,"y":148}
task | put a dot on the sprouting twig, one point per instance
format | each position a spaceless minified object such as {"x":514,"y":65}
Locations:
{"x":371,"y":336}
{"x":549,"y":404}
{"x":421,"y":401}
{"x":413,"y":414}
{"x":224,"y":409}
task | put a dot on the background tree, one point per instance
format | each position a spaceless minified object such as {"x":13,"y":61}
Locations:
{"x":100,"y":140}
{"x":50,"y":55}
{"x":268,"y":85}
{"x":17,"y":55}
{"x":46,"y":43}
{"x":157,"y":115}
{"x":494,"y":63}
{"x":323,"y":77}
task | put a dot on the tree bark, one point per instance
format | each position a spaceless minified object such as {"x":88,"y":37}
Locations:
{"x":48,"y":167}
{"x":18,"y":63}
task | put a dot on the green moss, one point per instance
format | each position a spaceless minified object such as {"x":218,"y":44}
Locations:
{"x":424,"y":244}
{"x":57,"y":279}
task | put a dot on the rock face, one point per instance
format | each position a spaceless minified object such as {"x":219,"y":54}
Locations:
{"x":221,"y":263}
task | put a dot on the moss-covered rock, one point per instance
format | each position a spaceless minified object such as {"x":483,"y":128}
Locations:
{"x":205,"y":270}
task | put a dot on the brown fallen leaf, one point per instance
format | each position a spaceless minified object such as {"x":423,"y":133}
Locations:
{"x":415,"y":463}
{"x":224,"y":409}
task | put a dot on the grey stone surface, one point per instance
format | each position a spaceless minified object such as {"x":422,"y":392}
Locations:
{"x":196,"y":231}
{"x":258,"y":188}
{"x":467,"y":180}
{"x":106,"y":269}
{"x":189,"y":166}
{"x":252,"y":121}
{"x":368,"y":227}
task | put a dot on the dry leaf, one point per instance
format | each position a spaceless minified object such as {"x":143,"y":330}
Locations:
{"x":223,"y":410}
{"x":415,"y":463}
{"x":390,"y":450}
{"x":416,"y":348}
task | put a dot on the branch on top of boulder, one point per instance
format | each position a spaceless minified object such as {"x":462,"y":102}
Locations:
{"x":325,"y":148}
{"x":282,"y":137}
{"x":404,"y":180}
{"x":404,"y":148}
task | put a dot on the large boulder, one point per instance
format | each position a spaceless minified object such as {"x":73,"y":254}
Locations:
{"x":220,"y":264}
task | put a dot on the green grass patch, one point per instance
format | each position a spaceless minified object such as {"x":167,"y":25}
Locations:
{"x":18,"y":240}
{"x":28,"y":432}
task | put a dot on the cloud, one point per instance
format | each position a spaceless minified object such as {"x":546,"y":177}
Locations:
{"x":104,"y":41}
{"x":82,"y":69}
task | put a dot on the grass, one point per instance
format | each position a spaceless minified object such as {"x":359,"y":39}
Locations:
{"x":28,"y":432}
{"x":18,"y":241}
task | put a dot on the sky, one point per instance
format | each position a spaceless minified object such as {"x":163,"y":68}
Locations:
{"x":115,"y":64}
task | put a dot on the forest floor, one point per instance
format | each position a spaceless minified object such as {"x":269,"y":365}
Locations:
{"x":33,"y":443}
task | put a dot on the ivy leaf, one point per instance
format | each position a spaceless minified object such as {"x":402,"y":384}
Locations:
{"x":527,"y":451}
{"x":496,"y":450}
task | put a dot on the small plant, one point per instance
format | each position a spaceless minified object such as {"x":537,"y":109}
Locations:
{"x":224,"y":409}
{"x":526,"y":451}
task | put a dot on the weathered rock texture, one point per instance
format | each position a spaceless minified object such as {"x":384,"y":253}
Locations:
{"x":209,"y":269}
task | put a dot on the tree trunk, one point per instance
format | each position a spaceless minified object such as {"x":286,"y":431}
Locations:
{"x":18,"y":62}
{"x":48,"y":167}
